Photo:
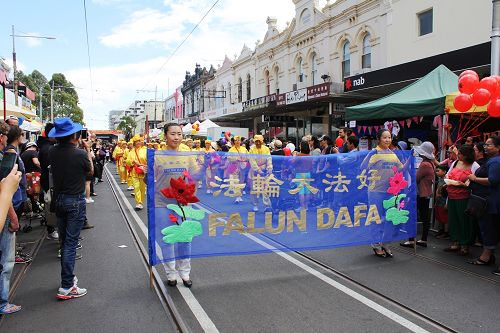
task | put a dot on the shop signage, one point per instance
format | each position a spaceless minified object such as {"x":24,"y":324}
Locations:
{"x":354,"y":83}
{"x":279,"y":119}
{"x":281,"y":100}
{"x":259,"y":103}
{"x":296,"y":96}
{"x":318,"y":91}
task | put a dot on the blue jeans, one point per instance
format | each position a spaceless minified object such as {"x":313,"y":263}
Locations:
{"x":70,"y":212}
{"x":8,"y":248}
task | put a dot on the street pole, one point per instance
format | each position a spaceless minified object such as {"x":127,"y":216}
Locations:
{"x":154,"y":126}
{"x":495,"y":39}
{"x":4,"y":103}
{"x":14,"y":64}
{"x":40,"y":107}
{"x":52,"y":102}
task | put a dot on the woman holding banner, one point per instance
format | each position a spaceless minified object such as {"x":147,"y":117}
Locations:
{"x":383,"y":160}
{"x":238,"y":164}
{"x":173,"y":137}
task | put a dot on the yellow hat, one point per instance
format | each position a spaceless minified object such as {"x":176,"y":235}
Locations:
{"x":258,"y":137}
{"x":208,"y":141}
{"x":197,"y":141}
{"x":237,"y":137}
{"x":137,"y":137}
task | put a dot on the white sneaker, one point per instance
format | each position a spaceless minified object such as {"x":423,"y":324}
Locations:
{"x":53,"y":235}
{"x":130,"y":188}
{"x":255,"y":208}
{"x":89,"y":200}
{"x":73,"y":292}
{"x":138,"y":207}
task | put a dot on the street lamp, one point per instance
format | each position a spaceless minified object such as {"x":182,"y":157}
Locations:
{"x":14,"y":63}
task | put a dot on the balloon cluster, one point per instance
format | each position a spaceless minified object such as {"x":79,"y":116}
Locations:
{"x":478,"y":93}
{"x":196,"y":129}
{"x":225,"y":137}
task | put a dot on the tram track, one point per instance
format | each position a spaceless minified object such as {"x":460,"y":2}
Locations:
{"x":431,"y":322}
{"x":158,"y":285}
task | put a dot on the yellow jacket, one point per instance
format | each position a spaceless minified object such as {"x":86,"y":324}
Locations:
{"x":137,"y":157}
{"x":117,"y":155}
{"x":258,"y":163}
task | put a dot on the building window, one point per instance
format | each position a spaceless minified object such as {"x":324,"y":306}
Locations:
{"x":222,"y":98}
{"x":229,"y":93}
{"x":249,"y":88}
{"x":268,"y":86}
{"x":314,"y":71}
{"x":301,"y":72}
{"x":346,"y":60}
{"x":366,"y":58}
{"x":277,"y":82}
{"x":240,"y":90}
{"x":425,"y":22}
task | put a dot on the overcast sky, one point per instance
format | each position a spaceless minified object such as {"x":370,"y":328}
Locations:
{"x":130,"y":42}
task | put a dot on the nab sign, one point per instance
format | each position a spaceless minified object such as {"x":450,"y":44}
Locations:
{"x":354,"y":83}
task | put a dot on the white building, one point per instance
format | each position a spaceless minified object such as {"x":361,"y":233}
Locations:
{"x":348,"y":52}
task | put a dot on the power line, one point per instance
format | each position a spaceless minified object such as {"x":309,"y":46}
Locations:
{"x":88,"y":47}
{"x":182,"y":43}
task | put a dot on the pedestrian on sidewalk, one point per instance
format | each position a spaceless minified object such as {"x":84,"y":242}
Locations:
{"x":70,"y":166}
{"x":7,"y":240}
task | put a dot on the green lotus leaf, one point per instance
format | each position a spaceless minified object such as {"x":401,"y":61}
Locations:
{"x":191,"y":213}
{"x":393,"y":201}
{"x":397,"y":216}
{"x":183,"y":233}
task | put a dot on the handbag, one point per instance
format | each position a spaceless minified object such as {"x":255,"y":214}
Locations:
{"x":138,"y":170}
{"x":477,"y":206}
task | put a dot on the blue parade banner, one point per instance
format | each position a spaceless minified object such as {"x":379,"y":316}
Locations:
{"x":217,"y":204}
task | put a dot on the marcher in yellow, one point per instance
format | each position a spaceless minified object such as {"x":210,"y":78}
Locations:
{"x":238,"y":164}
{"x":261,"y":166}
{"x":197,"y":145}
{"x":118,"y":156}
{"x":126,"y":168}
{"x":137,"y":159}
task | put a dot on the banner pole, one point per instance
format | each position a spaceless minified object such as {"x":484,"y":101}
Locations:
{"x":151,"y":282}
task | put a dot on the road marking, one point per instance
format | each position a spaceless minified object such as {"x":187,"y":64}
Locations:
{"x":193,"y":304}
{"x":357,"y":296}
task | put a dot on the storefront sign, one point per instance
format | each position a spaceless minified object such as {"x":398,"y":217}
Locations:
{"x":281,"y":100}
{"x":296,"y":96}
{"x":259,"y":103}
{"x":318,"y":91}
{"x":354,"y":83}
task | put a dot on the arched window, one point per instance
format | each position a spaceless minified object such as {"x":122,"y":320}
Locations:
{"x":249,"y":88}
{"x":314,"y":71}
{"x":346,"y":59}
{"x":240,"y":90}
{"x":301,"y":76}
{"x":266,"y":79}
{"x":366,"y":58}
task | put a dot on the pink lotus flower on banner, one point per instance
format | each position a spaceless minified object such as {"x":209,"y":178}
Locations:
{"x":187,"y":176}
{"x":397,"y":183}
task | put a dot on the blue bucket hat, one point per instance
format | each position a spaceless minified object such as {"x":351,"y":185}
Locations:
{"x":63,"y":127}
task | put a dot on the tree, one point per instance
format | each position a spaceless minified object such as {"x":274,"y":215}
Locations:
{"x":65,"y":99}
{"x":127,"y":125}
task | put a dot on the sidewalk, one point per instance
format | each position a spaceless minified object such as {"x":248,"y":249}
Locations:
{"x":118,"y":299}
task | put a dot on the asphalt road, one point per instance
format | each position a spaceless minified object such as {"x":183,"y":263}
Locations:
{"x":279,"y":292}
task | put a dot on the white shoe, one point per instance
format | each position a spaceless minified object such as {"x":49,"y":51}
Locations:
{"x":132,"y":194}
{"x":130,"y":188}
{"x":139,"y":207}
{"x":53,"y":235}
{"x":123,"y":182}
{"x":73,"y":292}
{"x":89,"y":200}
{"x":255,"y":208}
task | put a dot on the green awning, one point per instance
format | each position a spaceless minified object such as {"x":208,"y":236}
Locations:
{"x":425,"y":97}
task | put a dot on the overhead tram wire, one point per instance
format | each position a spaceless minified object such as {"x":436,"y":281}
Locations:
{"x":88,"y":49}
{"x":183,"y":41}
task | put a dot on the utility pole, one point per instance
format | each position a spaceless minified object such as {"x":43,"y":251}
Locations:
{"x":495,"y":39}
{"x":154,"y":126}
{"x":40,"y":107}
{"x":52,"y":102}
{"x":14,"y":64}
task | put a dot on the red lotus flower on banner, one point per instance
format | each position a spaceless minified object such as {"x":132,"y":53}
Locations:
{"x":181,"y":191}
{"x":397,"y":183}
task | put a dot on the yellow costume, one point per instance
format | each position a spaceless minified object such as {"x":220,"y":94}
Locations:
{"x":137,"y":157}
{"x":118,"y":156}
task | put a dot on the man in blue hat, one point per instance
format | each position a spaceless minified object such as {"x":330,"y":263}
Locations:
{"x":69,"y":166}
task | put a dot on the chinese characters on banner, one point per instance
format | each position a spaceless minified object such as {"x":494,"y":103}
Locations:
{"x":292,"y":203}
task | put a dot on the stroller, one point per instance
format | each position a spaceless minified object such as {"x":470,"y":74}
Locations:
{"x":33,"y":208}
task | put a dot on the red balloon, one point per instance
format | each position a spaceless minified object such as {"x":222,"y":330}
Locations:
{"x":468,"y":72}
{"x":467,"y":84}
{"x":481,"y":97}
{"x":489,"y":83}
{"x":494,"y":108}
{"x":463,"y":103}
